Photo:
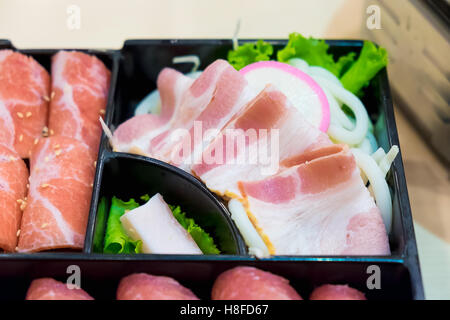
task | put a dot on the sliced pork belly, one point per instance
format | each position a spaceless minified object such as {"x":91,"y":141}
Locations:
{"x":154,"y":224}
{"x":24,"y":96}
{"x":336,"y":292}
{"x":228,"y":160}
{"x":50,"y":289}
{"x":62,"y":172}
{"x":13,"y":189}
{"x":135,"y":135}
{"x":248,"y":283}
{"x":142,"y":286}
{"x":319,"y":206}
{"x":80,"y":84}
{"x":225,"y":92}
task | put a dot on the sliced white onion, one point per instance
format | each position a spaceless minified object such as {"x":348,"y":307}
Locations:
{"x":339,"y":133}
{"x":378,"y":155}
{"x":386,"y":162}
{"x":194,"y":59}
{"x":378,"y":183}
{"x":299,"y":64}
{"x":252,"y":238}
{"x":315,"y":71}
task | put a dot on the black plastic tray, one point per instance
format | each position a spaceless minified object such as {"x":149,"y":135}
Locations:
{"x":134,"y":70}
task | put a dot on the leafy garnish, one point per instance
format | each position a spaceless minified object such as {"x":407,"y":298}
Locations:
{"x":371,"y":60}
{"x":249,"y":53}
{"x":315,"y":53}
{"x":100,"y":224}
{"x":204,"y":241}
{"x":116,"y":239}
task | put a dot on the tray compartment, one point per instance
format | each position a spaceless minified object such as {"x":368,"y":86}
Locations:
{"x":130,"y":176}
{"x":100,"y":277}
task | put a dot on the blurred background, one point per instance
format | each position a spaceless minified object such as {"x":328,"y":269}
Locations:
{"x":415,"y":33}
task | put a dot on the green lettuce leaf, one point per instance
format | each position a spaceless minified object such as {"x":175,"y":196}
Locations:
{"x":249,"y":53}
{"x":204,"y":241}
{"x":371,"y":60}
{"x":315,"y":53}
{"x":116,"y":239}
{"x":100,"y":224}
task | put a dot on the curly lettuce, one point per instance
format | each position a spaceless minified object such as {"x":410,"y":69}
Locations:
{"x":116,"y":239}
{"x":370,"y":61}
{"x":315,"y":53}
{"x":249,"y":53}
{"x":204,"y":241}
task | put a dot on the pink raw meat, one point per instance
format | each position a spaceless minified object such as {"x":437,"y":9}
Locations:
{"x":80,"y":84}
{"x":270,"y":110}
{"x":248,"y":283}
{"x":24,"y":96}
{"x":318,"y":206}
{"x":50,"y":289}
{"x":336,"y":292}
{"x":142,"y":286}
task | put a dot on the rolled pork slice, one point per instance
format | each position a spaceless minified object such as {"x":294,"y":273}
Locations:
{"x":142,"y":286}
{"x":13,"y":189}
{"x":24,"y":97}
{"x":80,"y":84}
{"x":61,"y":177}
{"x":154,"y":224}
{"x":50,"y":289}
{"x":336,"y":292}
{"x":248,"y":283}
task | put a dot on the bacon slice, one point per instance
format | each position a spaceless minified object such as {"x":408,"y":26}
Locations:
{"x":62,"y":172}
{"x":142,"y":286}
{"x":24,"y":96}
{"x":248,"y":283}
{"x":80,"y":84}
{"x":336,"y":292}
{"x":13,"y":189}
{"x":239,"y":152}
{"x":50,"y":289}
{"x":135,"y":135}
{"x":319,"y":206}
{"x":211,"y":102}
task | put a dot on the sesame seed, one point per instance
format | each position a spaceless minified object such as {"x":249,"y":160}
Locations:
{"x":91,"y":185}
{"x":45,"y":185}
{"x":51,"y":132}
{"x":12,"y":158}
{"x":21,"y":137}
{"x":36,"y":141}
{"x":45,"y":131}
{"x":19,"y":200}
{"x":20,"y":114}
{"x":28,"y":114}
{"x":17,"y":248}
{"x":23,"y":205}
{"x":18,"y":233}
{"x":102,"y":111}
{"x":28,"y":186}
{"x":46,"y":98}
{"x":52,"y":95}
{"x":95,"y":163}
{"x":56,"y":146}
{"x":44,"y":225}
{"x":46,"y":159}
{"x":58,"y":152}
